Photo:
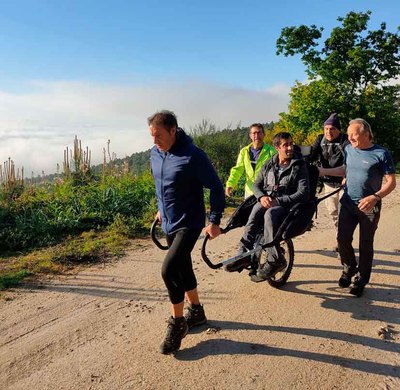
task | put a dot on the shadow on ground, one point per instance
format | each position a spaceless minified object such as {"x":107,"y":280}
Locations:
{"x":221,"y":346}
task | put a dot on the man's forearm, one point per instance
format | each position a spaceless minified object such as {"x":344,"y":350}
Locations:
{"x":388,"y":187}
{"x":338,"y":171}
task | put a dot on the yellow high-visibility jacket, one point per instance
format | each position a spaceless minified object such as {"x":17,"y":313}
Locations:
{"x":243,"y":165}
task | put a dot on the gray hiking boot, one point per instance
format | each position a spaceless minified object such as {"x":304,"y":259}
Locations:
{"x":176,"y":330}
{"x":238,"y":265}
{"x":272,"y":266}
{"x":195,"y":316}
{"x":269,"y":270}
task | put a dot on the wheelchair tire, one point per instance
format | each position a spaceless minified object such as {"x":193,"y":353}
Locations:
{"x":281,"y":277}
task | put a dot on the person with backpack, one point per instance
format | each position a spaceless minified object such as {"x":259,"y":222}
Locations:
{"x":282,"y":182}
{"x":250,"y":160}
{"x":327,"y":150}
{"x":181,"y":171}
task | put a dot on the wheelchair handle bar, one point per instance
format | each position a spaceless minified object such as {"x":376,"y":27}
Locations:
{"x":205,"y":257}
{"x":154,"y":237}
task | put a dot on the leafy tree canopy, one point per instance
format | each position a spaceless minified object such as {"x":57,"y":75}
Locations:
{"x":351,"y":54}
{"x":352,"y":72}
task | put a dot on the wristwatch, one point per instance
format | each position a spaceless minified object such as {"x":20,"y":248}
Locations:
{"x":378,"y":197}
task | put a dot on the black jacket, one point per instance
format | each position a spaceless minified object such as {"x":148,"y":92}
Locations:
{"x":329,"y":154}
{"x":289,"y":187}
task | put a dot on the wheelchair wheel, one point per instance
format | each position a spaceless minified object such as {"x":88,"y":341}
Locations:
{"x":282,"y":276}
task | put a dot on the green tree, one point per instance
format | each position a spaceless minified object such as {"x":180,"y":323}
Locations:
{"x":221,"y":146}
{"x":352,"y":72}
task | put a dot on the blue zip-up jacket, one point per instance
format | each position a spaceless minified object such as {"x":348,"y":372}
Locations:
{"x":180,"y":176}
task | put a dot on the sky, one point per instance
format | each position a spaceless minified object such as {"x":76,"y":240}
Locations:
{"x":97,"y":69}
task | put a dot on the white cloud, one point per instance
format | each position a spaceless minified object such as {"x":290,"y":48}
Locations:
{"x":36,"y":126}
{"x":394,"y":81}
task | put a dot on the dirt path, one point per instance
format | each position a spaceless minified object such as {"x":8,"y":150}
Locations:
{"x":101,"y":328}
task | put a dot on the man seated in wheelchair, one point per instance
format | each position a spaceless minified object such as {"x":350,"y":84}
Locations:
{"x":282,"y":182}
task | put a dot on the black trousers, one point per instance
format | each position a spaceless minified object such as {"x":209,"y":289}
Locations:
{"x":177,"y":269}
{"x":349,"y":218}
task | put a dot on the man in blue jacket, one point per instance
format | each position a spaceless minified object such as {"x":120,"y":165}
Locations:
{"x":181,"y":171}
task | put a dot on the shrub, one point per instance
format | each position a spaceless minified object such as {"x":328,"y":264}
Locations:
{"x":47,"y":214}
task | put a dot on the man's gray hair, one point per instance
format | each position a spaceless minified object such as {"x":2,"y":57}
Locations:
{"x":365,"y":127}
{"x":163,"y":118}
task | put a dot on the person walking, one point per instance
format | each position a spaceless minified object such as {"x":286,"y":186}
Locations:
{"x":250,"y":160}
{"x":328,"y":151}
{"x":181,"y":171}
{"x":365,"y":166}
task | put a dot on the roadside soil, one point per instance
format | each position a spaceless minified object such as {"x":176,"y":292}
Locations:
{"x":100,"y":327}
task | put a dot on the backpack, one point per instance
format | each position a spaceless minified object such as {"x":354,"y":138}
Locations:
{"x":313,"y":177}
{"x":302,"y":213}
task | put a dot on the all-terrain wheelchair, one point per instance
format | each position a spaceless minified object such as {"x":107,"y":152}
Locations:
{"x":296,"y":223}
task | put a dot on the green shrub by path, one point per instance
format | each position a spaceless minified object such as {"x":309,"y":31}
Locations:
{"x":12,"y":279}
{"x":44,"y":215}
{"x":77,"y":222}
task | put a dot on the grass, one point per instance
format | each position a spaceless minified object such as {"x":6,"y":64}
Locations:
{"x":88,"y":248}
{"x":12,"y":279}
{"x":50,"y":228}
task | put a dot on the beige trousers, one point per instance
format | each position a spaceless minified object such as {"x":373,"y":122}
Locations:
{"x":332,"y":203}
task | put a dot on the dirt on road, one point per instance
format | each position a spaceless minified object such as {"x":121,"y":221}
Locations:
{"x":100,"y":328}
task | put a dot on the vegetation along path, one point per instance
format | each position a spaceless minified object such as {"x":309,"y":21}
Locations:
{"x":100,"y":328}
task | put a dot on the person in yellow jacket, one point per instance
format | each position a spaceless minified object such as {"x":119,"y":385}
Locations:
{"x":250,"y":160}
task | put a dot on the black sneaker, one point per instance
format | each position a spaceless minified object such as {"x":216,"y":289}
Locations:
{"x":357,"y":289}
{"x":270,"y":269}
{"x":238,"y":265}
{"x":176,"y":330}
{"x":345,"y":280}
{"x":195,"y":316}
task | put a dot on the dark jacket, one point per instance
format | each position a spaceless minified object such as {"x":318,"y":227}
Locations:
{"x":289,"y":187}
{"x":330,"y":154}
{"x":180,"y":176}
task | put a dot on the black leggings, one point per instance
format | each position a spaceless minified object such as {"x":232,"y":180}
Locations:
{"x":177,"y":270}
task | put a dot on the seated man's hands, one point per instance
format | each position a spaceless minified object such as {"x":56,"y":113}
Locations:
{"x":268,"y":202}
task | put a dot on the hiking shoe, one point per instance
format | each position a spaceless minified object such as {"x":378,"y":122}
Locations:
{"x":358,"y":288}
{"x":238,"y":265}
{"x":269,"y":270}
{"x":195,"y":315}
{"x":345,"y":280}
{"x":176,"y":330}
